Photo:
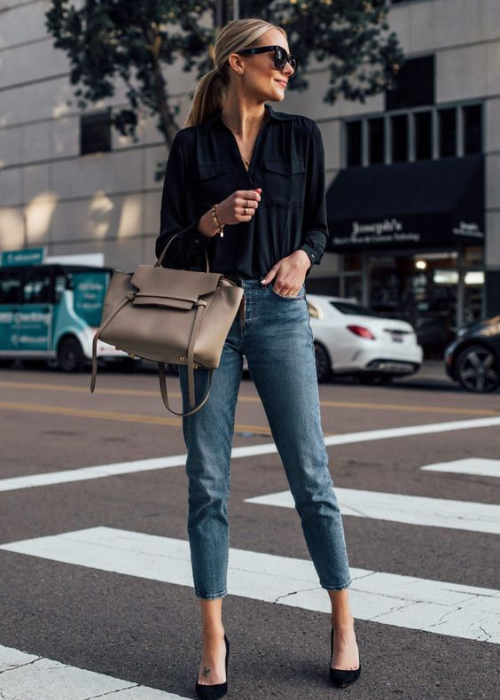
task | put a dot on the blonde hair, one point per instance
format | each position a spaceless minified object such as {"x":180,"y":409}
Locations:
{"x":211,"y":88}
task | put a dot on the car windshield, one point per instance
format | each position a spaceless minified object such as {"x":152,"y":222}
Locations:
{"x":348,"y":307}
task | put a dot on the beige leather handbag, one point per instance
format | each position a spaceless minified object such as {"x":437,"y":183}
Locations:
{"x":165,"y":315}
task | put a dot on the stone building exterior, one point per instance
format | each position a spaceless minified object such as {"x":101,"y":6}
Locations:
{"x":413,"y":178}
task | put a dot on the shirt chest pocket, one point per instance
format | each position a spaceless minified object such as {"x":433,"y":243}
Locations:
{"x":213,"y":182}
{"x":284,"y":182}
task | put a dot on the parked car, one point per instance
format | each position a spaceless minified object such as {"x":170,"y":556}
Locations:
{"x":352,"y":339}
{"x":473,"y":358}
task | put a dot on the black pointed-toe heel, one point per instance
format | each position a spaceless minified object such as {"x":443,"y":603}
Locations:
{"x":218,"y":690}
{"x":339,"y":677}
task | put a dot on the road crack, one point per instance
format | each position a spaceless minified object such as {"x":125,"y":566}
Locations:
{"x":111,"y":692}
{"x":302,"y":590}
{"x":14,"y":668}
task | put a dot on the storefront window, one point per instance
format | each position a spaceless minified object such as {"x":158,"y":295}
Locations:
{"x":376,"y":138}
{"x":473,"y":140}
{"x":423,"y":135}
{"x":447,"y":132}
{"x":352,"y":262}
{"x":399,"y":131}
{"x":353,"y":143}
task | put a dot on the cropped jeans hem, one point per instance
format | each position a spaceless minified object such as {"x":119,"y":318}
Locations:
{"x":211,"y":596}
{"x":338,"y":588}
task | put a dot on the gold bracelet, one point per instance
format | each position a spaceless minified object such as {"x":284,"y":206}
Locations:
{"x":217,"y":222}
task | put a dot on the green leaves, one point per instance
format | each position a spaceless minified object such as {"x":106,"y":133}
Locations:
{"x":134,"y":41}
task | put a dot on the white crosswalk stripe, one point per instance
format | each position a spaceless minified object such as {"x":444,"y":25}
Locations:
{"x":405,"y":601}
{"x":104,"y":470}
{"x":28,"y":677}
{"x":472,"y":465}
{"x":413,"y":510}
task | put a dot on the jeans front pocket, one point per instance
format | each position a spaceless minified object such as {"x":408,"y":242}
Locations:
{"x":301,"y":293}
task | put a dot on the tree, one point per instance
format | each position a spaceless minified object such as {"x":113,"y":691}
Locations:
{"x":134,"y":41}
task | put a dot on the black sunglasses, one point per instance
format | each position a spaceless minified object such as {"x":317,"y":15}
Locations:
{"x":281,"y":58}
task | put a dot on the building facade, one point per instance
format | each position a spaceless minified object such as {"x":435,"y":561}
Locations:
{"x":412,"y":176}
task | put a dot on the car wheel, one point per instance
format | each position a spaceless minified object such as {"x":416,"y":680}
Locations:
{"x":70,"y":355}
{"x":323,"y":364}
{"x":477,"y":369}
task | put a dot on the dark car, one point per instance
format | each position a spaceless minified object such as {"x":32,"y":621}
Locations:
{"x":473,"y":358}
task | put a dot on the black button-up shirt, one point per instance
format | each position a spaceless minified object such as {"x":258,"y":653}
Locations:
{"x":205,"y":166}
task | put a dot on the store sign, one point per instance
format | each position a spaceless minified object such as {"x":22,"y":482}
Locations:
{"x":470,"y":230}
{"x":383,"y":232}
{"x":28,"y":256}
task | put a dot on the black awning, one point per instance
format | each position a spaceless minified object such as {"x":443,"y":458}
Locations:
{"x":426,"y":204}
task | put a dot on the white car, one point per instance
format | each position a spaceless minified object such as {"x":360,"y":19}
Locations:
{"x":352,"y":339}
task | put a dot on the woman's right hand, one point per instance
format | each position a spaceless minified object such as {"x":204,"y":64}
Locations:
{"x":239,"y":207}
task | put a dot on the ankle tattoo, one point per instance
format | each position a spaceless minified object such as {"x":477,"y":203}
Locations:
{"x":206,"y":671}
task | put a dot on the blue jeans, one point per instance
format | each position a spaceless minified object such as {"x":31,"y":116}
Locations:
{"x":277,"y":341}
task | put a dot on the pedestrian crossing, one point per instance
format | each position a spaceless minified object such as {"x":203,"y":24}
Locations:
{"x":439,"y":607}
{"x":106,"y":470}
{"x":412,"y":510}
{"x":471,"y":465}
{"x":29,"y":677}
{"x":408,"y":602}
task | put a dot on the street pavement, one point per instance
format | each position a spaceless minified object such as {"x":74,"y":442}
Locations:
{"x":96,"y":596}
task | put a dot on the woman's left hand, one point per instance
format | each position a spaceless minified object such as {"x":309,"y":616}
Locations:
{"x":290,"y":273}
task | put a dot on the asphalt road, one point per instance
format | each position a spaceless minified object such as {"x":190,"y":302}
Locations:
{"x":106,"y":595}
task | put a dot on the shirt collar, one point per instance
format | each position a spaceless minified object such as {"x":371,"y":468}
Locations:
{"x":278,"y":116}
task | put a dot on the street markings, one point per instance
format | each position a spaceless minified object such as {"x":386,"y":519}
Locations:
{"x":325,"y":403}
{"x":412,"y":510}
{"x":115,"y":416}
{"x":28,"y":677}
{"x":473,"y":465}
{"x":438,"y":607}
{"x":86,"y":473}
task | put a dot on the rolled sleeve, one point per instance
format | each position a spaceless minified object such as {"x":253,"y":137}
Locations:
{"x":190,"y":243}
{"x":314,"y":226}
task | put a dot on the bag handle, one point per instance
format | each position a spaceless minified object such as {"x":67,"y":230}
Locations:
{"x":164,"y":392}
{"x":160,"y":260}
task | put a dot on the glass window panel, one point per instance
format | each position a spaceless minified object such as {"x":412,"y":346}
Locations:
{"x":37,"y":287}
{"x":95,"y":133}
{"x":399,"y":130}
{"x":447,"y":132}
{"x":473,"y":131}
{"x":423,"y":135}
{"x":376,"y":140}
{"x":353,"y":138}
{"x":414,"y":84}
{"x":10,"y":287}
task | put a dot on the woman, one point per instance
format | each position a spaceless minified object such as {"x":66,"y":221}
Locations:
{"x":246,"y":184}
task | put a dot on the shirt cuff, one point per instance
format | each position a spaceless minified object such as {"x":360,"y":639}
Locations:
{"x":310,"y":252}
